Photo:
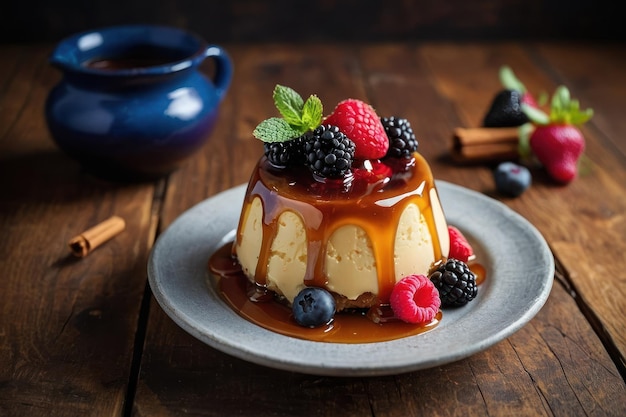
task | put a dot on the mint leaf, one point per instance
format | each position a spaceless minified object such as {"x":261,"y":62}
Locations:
{"x":275,"y":129}
{"x":297,"y":116}
{"x":289,"y":103}
{"x":312,"y":113}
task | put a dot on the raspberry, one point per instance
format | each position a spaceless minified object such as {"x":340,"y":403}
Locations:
{"x":459,"y":246}
{"x":328,"y":152}
{"x":283,"y":154}
{"x":455,"y":282}
{"x":402,"y":142}
{"x":414,"y":299}
{"x":359,"y":122}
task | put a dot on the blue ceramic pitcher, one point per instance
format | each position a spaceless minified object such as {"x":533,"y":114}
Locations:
{"x":133,"y":102}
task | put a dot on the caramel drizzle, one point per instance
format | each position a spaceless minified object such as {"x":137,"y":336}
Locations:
{"x":323,"y":212}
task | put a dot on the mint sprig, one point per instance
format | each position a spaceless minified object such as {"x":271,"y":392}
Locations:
{"x":298,"y":116}
{"x":289,"y":104}
{"x":275,"y":129}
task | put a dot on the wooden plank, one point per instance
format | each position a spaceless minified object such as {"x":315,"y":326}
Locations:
{"x":409,"y":86}
{"x":553,"y":366}
{"x":225,"y":162}
{"x":67,"y":325}
{"x":527,"y":374}
{"x":591,"y":209}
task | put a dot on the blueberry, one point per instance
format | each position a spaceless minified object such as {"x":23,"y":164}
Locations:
{"x":512,"y":179}
{"x":313,"y":307}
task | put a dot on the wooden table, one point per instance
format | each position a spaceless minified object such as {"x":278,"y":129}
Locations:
{"x":85,"y":337}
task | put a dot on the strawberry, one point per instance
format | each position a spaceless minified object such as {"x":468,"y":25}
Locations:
{"x":359,"y":122}
{"x":558,"y":147}
{"x":556,"y":140}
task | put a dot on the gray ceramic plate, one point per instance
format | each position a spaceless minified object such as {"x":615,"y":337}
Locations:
{"x":519,"y":265}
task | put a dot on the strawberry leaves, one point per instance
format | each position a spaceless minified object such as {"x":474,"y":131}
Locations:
{"x":298,"y":116}
{"x":563,"y":110}
{"x":510,"y":81}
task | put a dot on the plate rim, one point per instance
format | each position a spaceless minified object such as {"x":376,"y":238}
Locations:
{"x":232,"y":340}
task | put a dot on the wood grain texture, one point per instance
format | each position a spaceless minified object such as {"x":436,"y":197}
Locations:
{"x":67,"y":326}
{"x":588,"y":235}
{"x":556,"y":365}
{"x":84,"y":337}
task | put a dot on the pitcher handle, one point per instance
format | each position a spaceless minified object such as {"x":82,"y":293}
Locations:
{"x":223,"y":69}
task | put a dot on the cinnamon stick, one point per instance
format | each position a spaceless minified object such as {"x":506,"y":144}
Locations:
{"x":82,"y":244}
{"x":482,"y":144}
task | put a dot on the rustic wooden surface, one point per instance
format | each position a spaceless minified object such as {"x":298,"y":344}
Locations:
{"x":86,"y":337}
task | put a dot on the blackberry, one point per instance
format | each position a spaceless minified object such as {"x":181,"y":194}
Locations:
{"x":329,"y":153}
{"x":402,"y":142}
{"x":455,"y":282}
{"x":506,"y":110}
{"x":283,"y":154}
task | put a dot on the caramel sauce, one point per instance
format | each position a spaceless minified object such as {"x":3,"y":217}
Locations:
{"x":260,"y":307}
{"x":478,"y":270}
{"x":373,"y":200}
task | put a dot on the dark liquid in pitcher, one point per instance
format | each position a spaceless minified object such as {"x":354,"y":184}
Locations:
{"x":137,"y":57}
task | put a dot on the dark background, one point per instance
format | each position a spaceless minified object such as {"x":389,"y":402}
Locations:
{"x":323,"y":20}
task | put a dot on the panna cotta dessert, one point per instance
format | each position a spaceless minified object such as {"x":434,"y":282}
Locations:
{"x":341,"y":216}
{"x":355,"y":239}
